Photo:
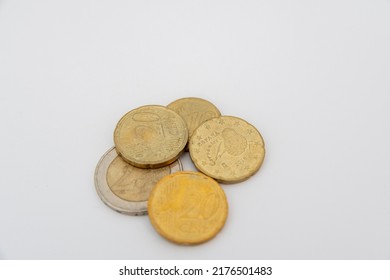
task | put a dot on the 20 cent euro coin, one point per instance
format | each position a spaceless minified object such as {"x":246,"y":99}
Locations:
{"x":227,"y":149}
{"x":187,"y":207}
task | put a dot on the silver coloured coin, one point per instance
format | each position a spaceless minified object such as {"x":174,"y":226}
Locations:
{"x":125,"y":188}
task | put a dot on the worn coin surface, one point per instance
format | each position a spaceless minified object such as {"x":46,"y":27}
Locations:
{"x":150,"y":136}
{"x":227,"y":149}
{"x":194,"y":111}
{"x":187,"y":207}
{"x":126,"y":188}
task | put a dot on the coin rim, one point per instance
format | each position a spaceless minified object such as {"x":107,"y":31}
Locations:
{"x":194,"y":98}
{"x":156,"y":163}
{"x":174,"y":239}
{"x":223,"y":179}
{"x":109,"y":198}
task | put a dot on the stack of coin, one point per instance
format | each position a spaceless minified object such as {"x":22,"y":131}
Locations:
{"x":143,"y":173}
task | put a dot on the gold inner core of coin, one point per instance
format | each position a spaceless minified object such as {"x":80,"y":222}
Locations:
{"x":131,"y":183}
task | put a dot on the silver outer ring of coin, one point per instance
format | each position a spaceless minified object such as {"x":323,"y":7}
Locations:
{"x":135,"y":208}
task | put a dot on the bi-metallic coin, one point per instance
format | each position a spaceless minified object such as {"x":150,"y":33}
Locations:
{"x":126,"y":188}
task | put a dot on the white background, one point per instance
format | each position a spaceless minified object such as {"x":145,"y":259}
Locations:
{"x":312,"y":76}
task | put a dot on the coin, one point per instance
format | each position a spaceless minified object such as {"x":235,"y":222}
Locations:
{"x":126,"y":188}
{"x":227,"y":149}
{"x":187,"y":207}
{"x":194,"y":111}
{"x":150,"y":136}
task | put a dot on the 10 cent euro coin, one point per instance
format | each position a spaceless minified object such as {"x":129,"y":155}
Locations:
{"x":150,"y":136}
{"x":194,"y":111}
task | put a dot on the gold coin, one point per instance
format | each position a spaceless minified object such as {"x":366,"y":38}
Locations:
{"x":227,"y":149}
{"x":187,"y":207}
{"x":194,"y":111}
{"x":150,"y":136}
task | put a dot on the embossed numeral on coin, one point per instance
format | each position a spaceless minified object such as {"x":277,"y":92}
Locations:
{"x":210,"y":205}
{"x":201,"y":207}
{"x":187,"y":207}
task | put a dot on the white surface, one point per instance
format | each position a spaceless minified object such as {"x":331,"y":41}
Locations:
{"x":312,"y":76}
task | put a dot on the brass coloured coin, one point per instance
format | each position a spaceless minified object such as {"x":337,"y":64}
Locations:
{"x":227,"y":149}
{"x":150,"y":136}
{"x":126,"y":188}
{"x":194,"y":111}
{"x":187,"y":207}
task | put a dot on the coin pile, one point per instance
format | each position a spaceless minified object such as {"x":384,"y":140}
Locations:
{"x":143,"y":173}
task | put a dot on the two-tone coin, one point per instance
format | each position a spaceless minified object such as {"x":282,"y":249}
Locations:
{"x":187,"y":207}
{"x":126,"y":188}
{"x":150,"y":136}
{"x":227,"y":149}
{"x":194,"y":111}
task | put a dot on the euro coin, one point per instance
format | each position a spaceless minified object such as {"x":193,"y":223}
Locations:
{"x":187,"y":207}
{"x":227,"y":149}
{"x":194,"y":111}
{"x":126,"y":188}
{"x":150,"y":136}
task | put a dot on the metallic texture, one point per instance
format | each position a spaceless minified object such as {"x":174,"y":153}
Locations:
{"x":126,"y":188}
{"x":187,"y":207}
{"x":150,"y":136}
{"x":194,"y":111}
{"x":227,"y":149}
